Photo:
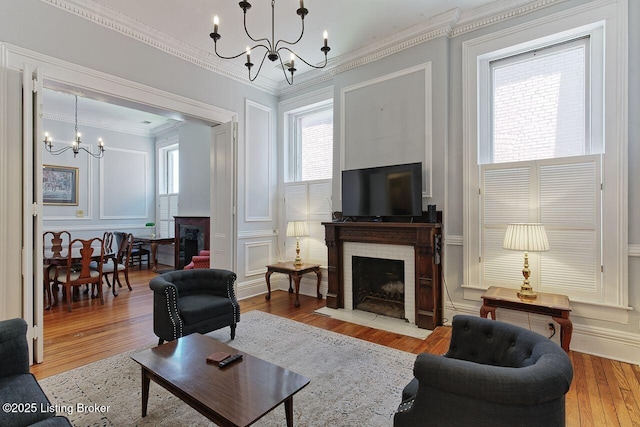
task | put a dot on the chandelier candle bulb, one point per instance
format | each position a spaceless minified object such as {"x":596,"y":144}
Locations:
{"x":248,"y":54}
{"x":216,"y":21}
{"x":301,"y":4}
{"x":325,"y":36}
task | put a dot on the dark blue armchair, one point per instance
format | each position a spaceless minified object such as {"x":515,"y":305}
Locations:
{"x":199,"y":300}
{"x":22,"y":400}
{"x":494,"y":374}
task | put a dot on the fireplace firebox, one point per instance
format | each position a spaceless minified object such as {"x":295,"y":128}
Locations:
{"x":378,"y":286}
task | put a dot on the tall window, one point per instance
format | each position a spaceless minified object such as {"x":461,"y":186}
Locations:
{"x":310,"y":167}
{"x":168,"y":186}
{"x":538,"y":168}
{"x":538,"y":111}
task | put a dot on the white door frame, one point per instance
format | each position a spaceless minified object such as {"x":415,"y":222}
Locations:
{"x":223,"y":196}
{"x":32,"y":256}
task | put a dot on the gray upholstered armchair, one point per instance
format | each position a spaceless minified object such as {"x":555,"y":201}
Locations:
{"x":494,"y":374}
{"x":188,"y":301}
{"x":23,"y":401}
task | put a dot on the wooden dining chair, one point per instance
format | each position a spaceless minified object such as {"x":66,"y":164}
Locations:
{"x":54,"y":249}
{"x":138,"y":252}
{"x":120,"y":261}
{"x":77,"y":271}
{"x":109,"y":256}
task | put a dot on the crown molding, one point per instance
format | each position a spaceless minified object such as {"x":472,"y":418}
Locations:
{"x":130,"y":27}
{"x":102,"y":124}
{"x":163,"y":130}
{"x":498,"y":11}
{"x":451,"y":23}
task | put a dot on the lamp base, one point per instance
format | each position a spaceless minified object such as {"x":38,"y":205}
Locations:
{"x":298,"y":261}
{"x":527,"y":293}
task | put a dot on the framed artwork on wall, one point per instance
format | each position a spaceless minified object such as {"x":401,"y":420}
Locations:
{"x":59,"y":185}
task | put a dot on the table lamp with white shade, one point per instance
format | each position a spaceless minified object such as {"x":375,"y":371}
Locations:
{"x":297,"y":229}
{"x":527,"y":237}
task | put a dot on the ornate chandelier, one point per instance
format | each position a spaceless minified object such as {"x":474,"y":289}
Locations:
{"x":272,"y":48}
{"x":75,"y":146}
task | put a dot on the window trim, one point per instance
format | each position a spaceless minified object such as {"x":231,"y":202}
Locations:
{"x":293,"y":172}
{"x":162,"y":146}
{"x":610,"y":17}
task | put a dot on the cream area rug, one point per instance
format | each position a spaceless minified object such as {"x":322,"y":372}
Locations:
{"x":353,"y":382}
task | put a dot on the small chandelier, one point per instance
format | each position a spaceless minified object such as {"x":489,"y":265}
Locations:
{"x":272,"y":48}
{"x":75,"y":146}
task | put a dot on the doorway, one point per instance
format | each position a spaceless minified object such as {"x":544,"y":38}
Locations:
{"x":99,"y":86}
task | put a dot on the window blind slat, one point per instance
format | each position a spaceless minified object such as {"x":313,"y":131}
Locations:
{"x":505,"y":194}
{"x":568,"y":194}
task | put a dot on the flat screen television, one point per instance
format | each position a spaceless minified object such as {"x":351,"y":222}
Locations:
{"x":384,"y":191}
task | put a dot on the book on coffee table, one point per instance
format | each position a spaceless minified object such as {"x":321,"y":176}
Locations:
{"x":217,"y":357}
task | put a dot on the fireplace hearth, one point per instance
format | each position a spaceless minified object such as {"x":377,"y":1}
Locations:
{"x":378,"y":286}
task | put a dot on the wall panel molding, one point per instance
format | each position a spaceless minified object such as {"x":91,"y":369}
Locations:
{"x":256,"y":234}
{"x":124,"y":168}
{"x":258,"y":153}
{"x":357,"y":93}
{"x":256,"y":257}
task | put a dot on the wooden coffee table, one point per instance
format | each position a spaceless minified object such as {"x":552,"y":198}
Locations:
{"x":237,"y":395}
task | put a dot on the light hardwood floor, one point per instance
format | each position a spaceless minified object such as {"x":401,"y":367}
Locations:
{"x":603,"y":393}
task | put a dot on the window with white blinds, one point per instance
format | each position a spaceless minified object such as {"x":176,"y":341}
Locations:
{"x":308,"y":201}
{"x":563,"y":194}
{"x":168,"y":164}
{"x":545,"y":140}
{"x":167,"y":209}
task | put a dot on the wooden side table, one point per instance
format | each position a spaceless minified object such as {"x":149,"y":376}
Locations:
{"x":295,"y":272}
{"x":554,"y":305}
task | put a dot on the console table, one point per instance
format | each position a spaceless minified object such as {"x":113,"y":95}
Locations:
{"x":293,"y":271}
{"x":425,"y":239}
{"x":554,"y":305}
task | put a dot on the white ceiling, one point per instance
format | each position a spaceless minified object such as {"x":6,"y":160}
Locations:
{"x":351,"y":24}
{"x":354,"y":27}
{"x":61,"y":106}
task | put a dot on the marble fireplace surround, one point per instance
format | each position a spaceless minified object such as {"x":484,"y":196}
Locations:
{"x":382,"y":251}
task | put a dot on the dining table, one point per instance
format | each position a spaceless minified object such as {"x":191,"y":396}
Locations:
{"x":154,"y":242}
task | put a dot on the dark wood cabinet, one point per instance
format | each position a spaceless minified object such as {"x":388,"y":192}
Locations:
{"x":192,"y":236}
{"x":424,"y":237}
